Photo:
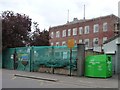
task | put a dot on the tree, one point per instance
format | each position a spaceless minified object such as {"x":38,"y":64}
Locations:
{"x":39,"y":38}
{"x":15,"y":29}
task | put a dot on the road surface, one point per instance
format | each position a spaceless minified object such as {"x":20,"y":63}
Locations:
{"x":11,"y":81}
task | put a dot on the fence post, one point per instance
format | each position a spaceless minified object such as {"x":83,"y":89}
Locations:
{"x":53,"y":51}
{"x":118,"y":57}
{"x":31,"y":59}
{"x":80,"y":59}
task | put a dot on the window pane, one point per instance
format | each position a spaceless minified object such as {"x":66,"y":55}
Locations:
{"x":51,"y":44}
{"x":64,"y":33}
{"x":69,"y":32}
{"x":96,"y":28}
{"x":95,"y":42}
{"x":104,"y":39}
{"x":74,"y":31}
{"x":63,"y":43}
{"x":86,"y":42}
{"x":86,"y":29}
{"x":104,"y":26}
{"x":58,"y":34}
{"x":75,"y":42}
{"x":80,"y":30}
{"x":52,"y":35}
{"x":57,"y":43}
{"x":80,"y":41}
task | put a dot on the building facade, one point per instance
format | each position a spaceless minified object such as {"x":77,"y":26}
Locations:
{"x":92,"y":32}
{"x":112,"y":47}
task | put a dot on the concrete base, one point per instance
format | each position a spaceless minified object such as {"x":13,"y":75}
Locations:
{"x":56,"y":71}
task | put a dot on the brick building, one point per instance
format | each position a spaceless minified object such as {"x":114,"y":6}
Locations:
{"x":92,"y":32}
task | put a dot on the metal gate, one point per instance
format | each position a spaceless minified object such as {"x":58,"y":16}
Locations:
{"x":53,"y":59}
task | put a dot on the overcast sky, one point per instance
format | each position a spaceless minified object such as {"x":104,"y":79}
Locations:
{"x":54,"y":12}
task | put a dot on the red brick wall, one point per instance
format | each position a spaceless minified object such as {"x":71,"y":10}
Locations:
{"x":110,"y":19}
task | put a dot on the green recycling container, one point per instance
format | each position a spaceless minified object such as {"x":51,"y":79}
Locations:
{"x":98,"y":66}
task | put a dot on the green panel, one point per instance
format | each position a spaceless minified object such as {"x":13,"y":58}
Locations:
{"x":98,"y":66}
{"x":49,"y":56}
{"x":23,"y":58}
{"x":109,"y":65}
{"x":32,"y":58}
{"x":8,"y":58}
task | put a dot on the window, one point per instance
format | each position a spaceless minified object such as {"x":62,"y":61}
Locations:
{"x":96,"y":28}
{"x":57,"y":43}
{"x":104,"y":39}
{"x":80,"y":41}
{"x":86,"y":29}
{"x":75,"y":43}
{"x":86,"y":42}
{"x":51,"y":44}
{"x":95,"y":42}
{"x":63,"y":43}
{"x":80,"y":30}
{"x":57,"y":34}
{"x":105,"y":26}
{"x":69,"y":32}
{"x":74,"y":31}
{"x":64,"y":33}
{"x":52,"y":35}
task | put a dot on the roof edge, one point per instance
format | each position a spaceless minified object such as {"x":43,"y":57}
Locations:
{"x":79,"y":21}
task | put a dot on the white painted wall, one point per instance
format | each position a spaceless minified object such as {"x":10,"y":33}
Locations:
{"x":111,"y":47}
{"x":118,"y":41}
{"x":97,"y":49}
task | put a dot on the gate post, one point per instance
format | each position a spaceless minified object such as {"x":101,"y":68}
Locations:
{"x":118,"y":59}
{"x":80,"y":59}
{"x":31,"y":59}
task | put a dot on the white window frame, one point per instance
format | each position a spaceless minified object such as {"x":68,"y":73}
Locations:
{"x":74,"y":31}
{"x":80,"y":30}
{"x":104,"y":39}
{"x":94,"y":40}
{"x":64,"y":33}
{"x":52,"y":35}
{"x":63,"y":43}
{"x":57,"y":43}
{"x":87,"y":40}
{"x":57,"y":34}
{"x":69,"y":32}
{"x":96,"y":28}
{"x":80,"y":41}
{"x":52,"y":44}
{"x":75,"y":42}
{"x":87,"y":30}
{"x":105,"y":26}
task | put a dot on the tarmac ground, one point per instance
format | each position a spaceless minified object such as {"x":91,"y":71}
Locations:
{"x":21,"y":79}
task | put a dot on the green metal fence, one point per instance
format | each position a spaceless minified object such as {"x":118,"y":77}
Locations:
{"x":33,"y":58}
{"x":23,"y":58}
{"x":8,"y":58}
{"x":53,"y":57}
